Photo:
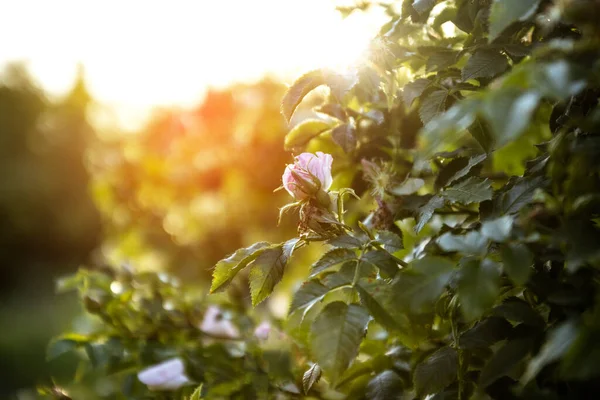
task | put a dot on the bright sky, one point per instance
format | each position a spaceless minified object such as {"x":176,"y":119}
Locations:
{"x":143,"y":53}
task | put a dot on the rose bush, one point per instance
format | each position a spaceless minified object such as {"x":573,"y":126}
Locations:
{"x":465,"y":264}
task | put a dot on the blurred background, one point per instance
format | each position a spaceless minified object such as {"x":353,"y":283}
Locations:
{"x":142,"y":132}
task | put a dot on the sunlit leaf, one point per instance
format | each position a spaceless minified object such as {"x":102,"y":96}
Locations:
{"x":472,"y":190}
{"x":433,"y":105}
{"x":331,"y":258}
{"x":302,"y":133}
{"x":298,"y":90}
{"x":310,"y":377}
{"x":414,"y":89}
{"x":227,"y":269}
{"x":484,"y":64}
{"x":266,"y":272}
{"x":345,"y":136}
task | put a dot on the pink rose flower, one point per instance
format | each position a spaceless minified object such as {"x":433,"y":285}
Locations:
{"x":309,"y":174}
{"x":262,"y":331}
{"x":168,"y":375}
{"x":213,"y":323}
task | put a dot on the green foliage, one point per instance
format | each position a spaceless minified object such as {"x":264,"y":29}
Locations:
{"x":445,"y":277}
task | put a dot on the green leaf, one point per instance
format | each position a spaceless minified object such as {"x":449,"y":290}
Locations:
{"x":420,"y":285}
{"x":456,"y":169}
{"x":471,"y":190}
{"x":346,"y":241}
{"x":485,"y":333}
{"x":377,"y":297}
{"x":390,"y":241}
{"x":59,"y":347}
{"x":518,"y":196}
{"x":558,"y":80}
{"x":426,"y":212}
{"x":333,"y":110}
{"x":517,"y":310}
{"x":382,"y":260}
{"x":437,"y":372}
{"x":472,"y":243}
{"x":414,"y":89}
{"x":309,"y":293}
{"x":345,"y":136}
{"x":559,"y":341}
{"x":310,"y":377}
{"x":478,"y":287}
{"x":484,"y":64}
{"x":197,"y":393}
{"x":385,"y":386}
{"x":302,"y":133}
{"x":227,"y":269}
{"x":336,"y":335}
{"x":433,"y":105}
{"x":331,"y":258}
{"x":504,"y":359}
{"x":498,"y":229}
{"x":266,"y":272}
{"x":409,"y":186}
{"x":509,"y":112}
{"x":340,"y":84}
{"x":517,"y":262}
{"x":298,"y":90}
{"x":506,"y":12}
{"x":441,"y":59}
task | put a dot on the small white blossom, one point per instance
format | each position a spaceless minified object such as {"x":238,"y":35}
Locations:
{"x":262,"y":331}
{"x":214,"y":324}
{"x":168,"y":375}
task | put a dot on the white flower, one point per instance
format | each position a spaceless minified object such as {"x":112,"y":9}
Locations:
{"x":262,"y":331}
{"x":309,"y":174}
{"x":214,"y":324}
{"x":168,"y":375}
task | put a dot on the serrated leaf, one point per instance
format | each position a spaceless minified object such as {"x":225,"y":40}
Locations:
{"x":471,"y":243}
{"x":441,"y":59}
{"x":558,"y":343}
{"x":517,"y":261}
{"x":478,"y":287}
{"x":498,"y":229}
{"x":509,"y":112}
{"x":266,"y":272}
{"x":331,"y":258}
{"x":308,"y":294}
{"x":514,"y":199}
{"x":433,"y":105}
{"x":346,"y":241}
{"x":420,"y":285}
{"x":505,"y":12}
{"x":409,"y":186}
{"x":385,"y":386}
{"x":485,"y":333}
{"x":484,"y":64}
{"x":456,"y":169}
{"x":310,"y":377}
{"x":298,"y":90}
{"x":504,"y":359}
{"x":390,"y":241}
{"x":336,"y":335}
{"x":471,"y":190}
{"x":227,"y":269}
{"x":436,"y":372}
{"x":377,"y":298}
{"x":382,"y":260}
{"x":302,"y":133}
{"x":414,"y":89}
{"x":427,"y":211}
{"x":197,"y":393}
{"x":344,"y":135}
{"x":340,"y":84}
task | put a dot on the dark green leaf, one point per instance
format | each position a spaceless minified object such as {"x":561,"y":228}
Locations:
{"x":310,"y":377}
{"x":441,"y":59}
{"x":506,"y":12}
{"x":558,"y":342}
{"x":478,"y":287}
{"x":298,"y":90}
{"x":517,"y":310}
{"x":427,"y":211}
{"x":377,"y":298}
{"x":456,"y":169}
{"x":345,"y":241}
{"x":382,"y":260}
{"x":433,"y":105}
{"x":504,"y":359}
{"x":336,"y":335}
{"x":414,"y":89}
{"x":484,"y":64}
{"x":472,"y":243}
{"x":517,"y":262}
{"x":302,"y":133}
{"x":227,"y":269}
{"x":331,"y":258}
{"x":345,"y":136}
{"x":420,"y":286}
{"x":385,"y":386}
{"x":60,"y":346}
{"x":309,"y":293}
{"x":266,"y":272}
{"x":515,"y":198}
{"x":498,"y":229}
{"x":437,"y":372}
{"x":485,"y":333}
{"x":390,"y":241}
{"x":472,"y":190}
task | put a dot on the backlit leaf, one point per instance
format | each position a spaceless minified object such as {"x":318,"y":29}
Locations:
{"x":302,"y":133}
{"x":484,"y":64}
{"x":472,"y":190}
{"x":298,"y":90}
{"x":345,"y":136}
{"x":227,"y":269}
{"x":414,"y":89}
{"x":310,"y":377}
{"x":433,"y":105}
